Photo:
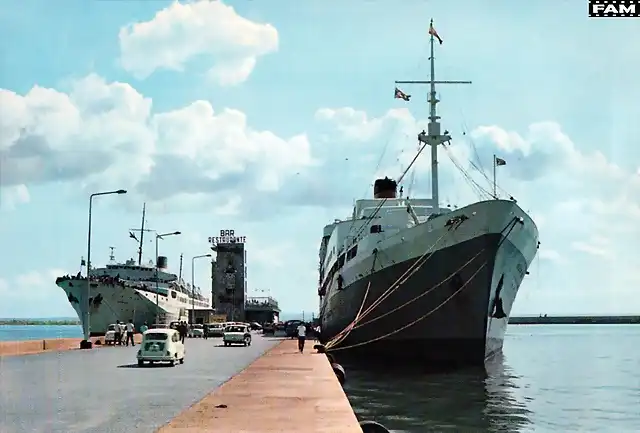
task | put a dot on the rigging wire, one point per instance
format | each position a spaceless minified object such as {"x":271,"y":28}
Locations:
{"x":384,"y":200}
{"x":384,"y":150}
{"x":467,"y":176}
{"x":425,"y":293}
{"x":392,"y":287}
{"x":443,"y":303}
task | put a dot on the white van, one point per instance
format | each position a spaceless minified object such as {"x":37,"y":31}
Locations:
{"x":161,"y":345}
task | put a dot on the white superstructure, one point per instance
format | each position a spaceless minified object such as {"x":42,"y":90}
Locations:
{"x":132,"y":291}
{"x":123,"y":291}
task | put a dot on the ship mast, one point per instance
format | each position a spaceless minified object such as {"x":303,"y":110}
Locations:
{"x":433,"y":137}
{"x":142,"y":230}
{"x":144,"y":210}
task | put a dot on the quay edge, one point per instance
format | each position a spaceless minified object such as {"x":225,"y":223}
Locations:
{"x":255,"y":400}
{"x":34,"y":347}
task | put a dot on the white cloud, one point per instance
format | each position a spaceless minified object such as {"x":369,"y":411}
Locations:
{"x":593,"y":248}
{"x":183,"y":32}
{"x":13,"y":196}
{"x":38,"y":290}
{"x":105,"y":135}
{"x":581,"y":200}
{"x":551,"y":255}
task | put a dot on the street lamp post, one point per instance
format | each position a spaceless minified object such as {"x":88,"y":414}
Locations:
{"x":193,"y":286}
{"x":86,"y":342}
{"x":160,"y":236}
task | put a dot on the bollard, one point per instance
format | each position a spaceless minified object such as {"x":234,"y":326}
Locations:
{"x":373,"y":427}
{"x":340,"y":373}
{"x":319,"y":348}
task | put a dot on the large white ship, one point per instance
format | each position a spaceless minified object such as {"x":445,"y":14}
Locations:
{"x":132,"y":290}
{"x":407,"y":278}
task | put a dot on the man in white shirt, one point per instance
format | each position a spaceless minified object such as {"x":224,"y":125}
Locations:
{"x":130,"y":330}
{"x":118,"y":333}
{"x":302,"y":332}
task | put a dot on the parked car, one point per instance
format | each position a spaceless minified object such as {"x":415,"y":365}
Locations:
{"x":161,"y":345}
{"x":236,"y":334}
{"x":291,"y":328}
{"x":255,"y":326}
{"x":110,"y":335}
{"x":269,"y":329}
{"x":196,"y":331}
{"x":216,"y":330}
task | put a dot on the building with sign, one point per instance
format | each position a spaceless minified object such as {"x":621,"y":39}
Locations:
{"x":229,"y":279}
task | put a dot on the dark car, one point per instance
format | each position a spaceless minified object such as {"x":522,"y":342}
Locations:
{"x":291,"y":328}
{"x":269,"y":329}
{"x":255,"y":326}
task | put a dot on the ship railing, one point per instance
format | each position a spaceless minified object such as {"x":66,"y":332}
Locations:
{"x":261,"y":301}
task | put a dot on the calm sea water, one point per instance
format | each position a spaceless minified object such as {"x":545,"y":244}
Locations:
{"x":572,"y":378}
{"x":38,"y":332}
{"x":551,"y":378}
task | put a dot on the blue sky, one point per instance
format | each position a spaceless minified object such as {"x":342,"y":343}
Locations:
{"x":270,"y":119}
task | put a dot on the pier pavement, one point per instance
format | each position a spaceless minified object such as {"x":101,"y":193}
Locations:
{"x":103,"y":390}
{"x":283,"y":391}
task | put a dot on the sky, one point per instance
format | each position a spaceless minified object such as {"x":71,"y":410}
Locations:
{"x":271,"y":118}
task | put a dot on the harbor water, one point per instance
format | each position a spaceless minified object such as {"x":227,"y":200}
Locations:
{"x":551,"y":378}
{"x":38,"y":332}
{"x":573,"y":378}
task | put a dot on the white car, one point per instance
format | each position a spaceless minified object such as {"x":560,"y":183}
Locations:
{"x":236,"y":334}
{"x":216,"y":330}
{"x":196,"y":331}
{"x":161,"y":345}
{"x":110,"y":335}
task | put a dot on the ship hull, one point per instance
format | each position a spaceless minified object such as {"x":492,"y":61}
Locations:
{"x":452,"y":311}
{"x":111,"y":302}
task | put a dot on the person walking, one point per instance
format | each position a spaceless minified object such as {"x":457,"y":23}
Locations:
{"x":302,"y":332}
{"x":144,"y":328}
{"x":117,"y":338}
{"x":130,"y":329}
{"x":182,"y":330}
{"x":205,"y":331}
{"x":122,"y":332}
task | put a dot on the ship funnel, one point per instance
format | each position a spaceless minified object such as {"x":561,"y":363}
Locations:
{"x":384,"y":188}
{"x":162,"y":262}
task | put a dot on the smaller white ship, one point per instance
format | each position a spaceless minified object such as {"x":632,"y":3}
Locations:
{"x":131,"y":290}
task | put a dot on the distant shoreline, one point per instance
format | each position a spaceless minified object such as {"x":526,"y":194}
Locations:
{"x":38,"y":322}
{"x":527,"y":320}
{"x":575,"y":320}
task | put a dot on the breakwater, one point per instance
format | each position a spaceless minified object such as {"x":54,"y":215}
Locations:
{"x":575,"y":320}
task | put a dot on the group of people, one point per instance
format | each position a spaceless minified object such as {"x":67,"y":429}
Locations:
{"x":125,"y":331}
{"x":183,"y":329}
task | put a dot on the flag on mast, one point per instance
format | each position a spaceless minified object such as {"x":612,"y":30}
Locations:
{"x":500,"y":161}
{"x":434,"y":33}
{"x":399,"y":94}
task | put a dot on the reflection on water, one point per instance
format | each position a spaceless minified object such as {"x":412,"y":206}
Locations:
{"x":465,"y":400}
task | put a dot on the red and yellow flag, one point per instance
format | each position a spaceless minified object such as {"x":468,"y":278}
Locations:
{"x":434,"y":33}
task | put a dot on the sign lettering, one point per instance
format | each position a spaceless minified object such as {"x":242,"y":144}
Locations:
{"x":614,"y":8}
{"x":227,"y":237}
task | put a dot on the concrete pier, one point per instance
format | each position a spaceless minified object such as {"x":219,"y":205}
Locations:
{"x":103,"y":389}
{"x":283,"y":391}
{"x":33,"y":347}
